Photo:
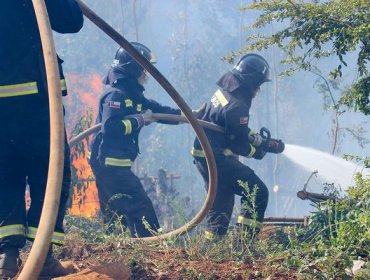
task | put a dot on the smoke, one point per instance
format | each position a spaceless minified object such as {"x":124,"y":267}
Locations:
{"x":190,"y":38}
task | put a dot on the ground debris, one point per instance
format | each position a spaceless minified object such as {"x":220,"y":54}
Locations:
{"x":110,"y":271}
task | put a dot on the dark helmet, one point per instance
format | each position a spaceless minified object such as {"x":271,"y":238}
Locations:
{"x":125,"y":63}
{"x":252,"y":68}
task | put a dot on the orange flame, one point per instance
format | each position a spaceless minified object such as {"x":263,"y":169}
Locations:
{"x":84,"y":92}
{"x":85,"y":201}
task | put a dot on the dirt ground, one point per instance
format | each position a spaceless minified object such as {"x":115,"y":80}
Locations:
{"x":143,"y":261}
{"x":108,"y":271}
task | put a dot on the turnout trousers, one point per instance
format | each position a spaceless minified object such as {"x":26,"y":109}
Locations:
{"x":230,"y":172}
{"x":24,"y":159}
{"x":122,"y":197}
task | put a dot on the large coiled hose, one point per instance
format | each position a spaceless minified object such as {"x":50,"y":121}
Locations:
{"x":41,"y":245}
{"x":212,"y":170}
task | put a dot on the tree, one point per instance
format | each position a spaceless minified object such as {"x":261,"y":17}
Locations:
{"x":311,"y":31}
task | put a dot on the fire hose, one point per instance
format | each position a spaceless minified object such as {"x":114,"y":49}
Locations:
{"x":212,"y":170}
{"x":264,"y":132}
{"x":41,"y":245}
{"x":45,"y":230}
{"x":156,"y":116}
{"x":42,"y":241}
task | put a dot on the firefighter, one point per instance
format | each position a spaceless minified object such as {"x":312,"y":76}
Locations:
{"x":229,"y":107}
{"x":115,"y":147}
{"x":24,"y":120}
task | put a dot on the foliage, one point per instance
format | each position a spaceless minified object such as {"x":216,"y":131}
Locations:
{"x":79,"y":151}
{"x":311,"y":31}
{"x":84,"y":122}
{"x":337,"y":235}
{"x":358,"y":96}
{"x":339,"y":230}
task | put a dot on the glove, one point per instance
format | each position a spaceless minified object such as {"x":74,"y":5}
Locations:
{"x":257,"y":140}
{"x":260,"y":153}
{"x":144,"y":119}
{"x":275,"y":146}
{"x":198,"y":113}
{"x":148,"y":117}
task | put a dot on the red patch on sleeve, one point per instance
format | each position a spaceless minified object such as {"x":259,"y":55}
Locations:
{"x":114,"y":104}
{"x":244,"y":120}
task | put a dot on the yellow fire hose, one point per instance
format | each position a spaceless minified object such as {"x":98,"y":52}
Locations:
{"x":41,"y":245}
{"x":45,"y":230}
{"x":212,"y":170}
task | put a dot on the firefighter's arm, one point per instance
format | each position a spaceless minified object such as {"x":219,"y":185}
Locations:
{"x":155,"y":107}
{"x":114,"y":121}
{"x":65,"y":15}
{"x":237,"y":133}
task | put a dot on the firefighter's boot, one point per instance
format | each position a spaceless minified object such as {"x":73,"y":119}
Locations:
{"x":54,"y":268}
{"x":9,"y":262}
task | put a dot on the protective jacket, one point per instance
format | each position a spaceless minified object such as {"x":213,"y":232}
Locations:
{"x":115,"y":147}
{"x":229,"y":108}
{"x":22,"y":69}
{"x":116,"y":144}
{"x":24,"y":115}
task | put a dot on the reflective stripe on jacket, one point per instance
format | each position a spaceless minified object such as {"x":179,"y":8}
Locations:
{"x":231,"y":111}
{"x":117,"y":144}
{"x":21,"y":55}
{"x":24,"y":89}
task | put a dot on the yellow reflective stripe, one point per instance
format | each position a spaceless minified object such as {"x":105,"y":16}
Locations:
{"x":128,"y":102}
{"x":228,"y":152}
{"x":18,"y":89}
{"x":31,"y":232}
{"x":63,"y":84}
{"x":252,"y":152}
{"x":57,"y":237}
{"x":128,"y":126}
{"x":24,"y":89}
{"x":200,"y":153}
{"x":197,"y":153}
{"x":249,"y":222}
{"x":139,"y":107}
{"x":251,"y":132}
{"x":221,"y":98}
{"x":117,"y":162}
{"x":17,"y":229}
{"x":209,"y":235}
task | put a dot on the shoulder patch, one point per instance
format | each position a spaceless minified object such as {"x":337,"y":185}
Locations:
{"x":244,"y":120}
{"x":219,"y":98}
{"x":115,"y":104}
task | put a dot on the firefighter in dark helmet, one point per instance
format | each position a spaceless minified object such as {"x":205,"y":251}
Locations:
{"x":24,"y":120}
{"x":116,"y":146}
{"x":229,"y":107}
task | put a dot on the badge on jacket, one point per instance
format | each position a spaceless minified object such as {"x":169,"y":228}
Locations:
{"x":115,"y":104}
{"x":244,"y":120}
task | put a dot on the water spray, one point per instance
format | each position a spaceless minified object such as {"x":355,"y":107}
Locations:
{"x":330,"y":169}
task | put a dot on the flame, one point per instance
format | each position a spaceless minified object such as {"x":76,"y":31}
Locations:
{"x":84,"y":92}
{"x":85,"y":201}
